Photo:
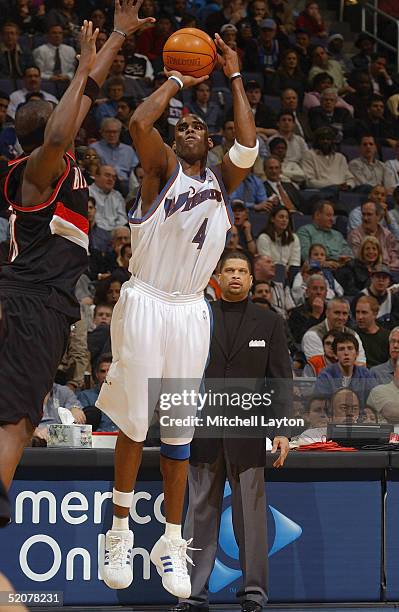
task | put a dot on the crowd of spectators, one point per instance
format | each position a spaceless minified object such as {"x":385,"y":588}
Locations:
{"x":318,"y":213}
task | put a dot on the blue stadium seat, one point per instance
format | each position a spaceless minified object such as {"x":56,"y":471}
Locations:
{"x":292,"y":272}
{"x":388,"y":153}
{"x":350,"y":200}
{"x":254,"y":76}
{"x":50,"y":87}
{"x":219,"y":79}
{"x":273,"y":102}
{"x":299,"y":220}
{"x":350,"y":151}
{"x":7,"y":86}
{"x":258,"y":221}
{"x":341,"y":224}
{"x":280,"y":274}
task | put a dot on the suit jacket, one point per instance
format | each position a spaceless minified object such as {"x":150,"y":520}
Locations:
{"x":293,"y":193}
{"x":245,"y":361}
{"x":318,"y":118}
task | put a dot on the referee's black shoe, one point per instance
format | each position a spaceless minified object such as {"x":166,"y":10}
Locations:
{"x":250,"y":606}
{"x":187,"y":607}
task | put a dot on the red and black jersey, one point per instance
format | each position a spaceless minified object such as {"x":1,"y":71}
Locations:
{"x":49,"y":241}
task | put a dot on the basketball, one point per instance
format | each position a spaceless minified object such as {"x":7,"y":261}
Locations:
{"x":191,"y":52}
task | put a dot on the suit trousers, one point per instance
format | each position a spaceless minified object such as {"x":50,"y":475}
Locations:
{"x":206,"y":487}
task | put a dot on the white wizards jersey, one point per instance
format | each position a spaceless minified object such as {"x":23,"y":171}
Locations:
{"x":177,"y":244}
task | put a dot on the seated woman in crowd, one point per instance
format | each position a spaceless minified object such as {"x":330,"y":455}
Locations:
{"x":288,"y":75}
{"x":355,"y":275}
{"x":315,"y":264}
{"x":278,"y":240}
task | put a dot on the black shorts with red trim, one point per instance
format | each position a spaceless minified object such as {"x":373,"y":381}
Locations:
{"x":5,"y":509}
{"x":33,"y":339}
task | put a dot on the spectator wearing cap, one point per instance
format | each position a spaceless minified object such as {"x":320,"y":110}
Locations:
{"x":288,"y":75}
{"x":328,"y":113}
{"x":296,"y":145}
{"x":384,"y":372}
{"x":32,"y":84}
{"x":382,"y":289}
{"x":278,"y":239}
{"x":290,"y":102}
{"x":384,"y":130}
{"x":289,"y":196}
{"x":372,"y":214}
{"x":290,"y":171}
{"x":375,"y":339}
{"x":335,"y":44}
{"x":323,"y":81}
{"x":264,"y":116}
{"x":252,"y":191}
{"x":13,"y":58}
{"x":228,"y":32}
{"x":243,"y":225}
{"x":202,"y":105}
{"x":324,"y":168}
{"x":303,"y":48}
{"x":366,"y":44}
{"x":232,"y":12}
{"x":310,"y":19}
{"x":269,"y":47}
{"x":321,"y":231}
{"x":322,"y":63}
{"x":380,"y":78}
{"x":57,"y":61}
{"x":150,"y":42}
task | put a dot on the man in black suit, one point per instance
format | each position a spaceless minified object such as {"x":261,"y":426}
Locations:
{"x":288,"y":195}
{"x":328,"y":114}
{"x":290,"y":102}
{"x":248,"y":342}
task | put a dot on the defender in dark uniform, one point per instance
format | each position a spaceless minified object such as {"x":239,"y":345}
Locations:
{"x":48,"y":196}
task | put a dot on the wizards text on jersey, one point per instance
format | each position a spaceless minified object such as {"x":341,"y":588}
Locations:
{"x":184,"y":199}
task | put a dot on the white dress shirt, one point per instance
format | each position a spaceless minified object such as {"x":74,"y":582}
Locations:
{"x":44,"y":57}
{"x":19,"y":96}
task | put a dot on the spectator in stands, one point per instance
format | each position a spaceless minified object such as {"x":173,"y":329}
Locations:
{"x":265,"y":270}
{"x":289,"y":196}
{"x":345,"y":373}
{"x":385,"y":293}
{"x":99,"y":238}
{"x":384,"y":398}
{"x":281,"y":12}
{"x":30,"y":17}
{"x":108,"y":292}
{"x":99,"y":338}
{"x":101,"y":39}
{"x":381,"y":81}
{"x":264,"y":116}
{"x":289,"y":102}
{"x":322,"y":81}
{"x":59,"y":396}
{"x":320,"y":231}
{"x":378,"y":195}
{"x":317,"y":363}
{"x":392,"y":166}
{"x":290,"y":171}
{"x":328,"y":114}
{"x":65,"y":17}
{"x":375,"y":339}
{"x":232,"y":12}
{"x":269,"y":47}
{"x":202,"y":105}
{"x":288,"y":75}
{"x":110,"y":209}
{"x":150,"y":42}
{"x":335,"y":45}
{"x":252,"y":192}
{"x":125,"y":108}
{"x":132,"y":87}
{"x":99,"y":19}
{"x":337,"y":315}
{"x":115,"y":91}
{"x":345,"y":407}
{"x":262,"y":293}
{"x":312,"y":311}
{"x":372,"y":214}
{"x":303,"y":48}
{"x":13,"y":58}
{"x":394,"y":213}
{"x":311,"y":20}
{"x":243,"y":226}
{"x":32,"y":84}
{"x":324,"y":168}
{"x":71,"y":369}
{"x":9,"y":145}
{"x":278,"y":240}
{"x":385,"y":132}
{"x":228,"y":33}
{"x":360,"y":82}
{"x":135,"y":180}
{"x":296,"y":145}
{"x":367,"y":169}
{"x":87,"y":398}
{"x":357,"y":272}
{"x":89,"y":164}
{"x":138,"y":65}
{"x":315,"y":264}
{"x":366,"y":44}
{"x":322,"y":63}
{"x":175,"y":110}
{"x":114,"y":153}
{"x":55,"y":60}
{"x":384,"y":372}
{"x":121,"y":272}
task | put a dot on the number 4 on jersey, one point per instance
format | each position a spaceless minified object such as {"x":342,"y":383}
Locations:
{"x":200,"y":235}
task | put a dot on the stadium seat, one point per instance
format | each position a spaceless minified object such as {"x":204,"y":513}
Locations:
{"x":350,"y":151}
{"x":350,"y":200}
{"x":341,"y":224}
{"x":299,"y":220}
{"x":253,"y":76}
{"x":7,"y":86}
{"x":292,"y":272}
{"x":388,"y":153}
{"x":273,"y":102}
{"x":280,"y":275}
{"x":219,"y":80}
{"x":258,"y":221}
{"x":50,"y":87}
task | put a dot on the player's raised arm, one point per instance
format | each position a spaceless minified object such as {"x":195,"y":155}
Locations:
{"x":156,"y":158}
{"x":242,"y":155}
{"x":46,"y":162}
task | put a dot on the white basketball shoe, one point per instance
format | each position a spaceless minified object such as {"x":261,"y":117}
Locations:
{"x":117,"y":568}
{"x":170,"y":558}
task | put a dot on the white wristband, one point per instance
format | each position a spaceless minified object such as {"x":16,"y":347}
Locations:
{"x":177,"y":80}
{"x":243,"y":157}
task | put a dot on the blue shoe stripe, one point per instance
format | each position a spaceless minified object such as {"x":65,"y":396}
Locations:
{"x":168,"y":570}
{"x":166,"y":557}
{"x":166,"y":563}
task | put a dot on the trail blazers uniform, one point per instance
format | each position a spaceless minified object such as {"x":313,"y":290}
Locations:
{"x":161,"y":324}
{"x":48,"y":253}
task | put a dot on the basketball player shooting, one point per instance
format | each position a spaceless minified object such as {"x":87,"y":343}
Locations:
{"x":160,"y":326}
{"x":48,"y":197}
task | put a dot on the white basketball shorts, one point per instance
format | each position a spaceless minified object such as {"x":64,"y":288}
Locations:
{"x":154,"y":335}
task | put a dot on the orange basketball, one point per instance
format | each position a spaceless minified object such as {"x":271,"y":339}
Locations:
{"x":191,"y":52}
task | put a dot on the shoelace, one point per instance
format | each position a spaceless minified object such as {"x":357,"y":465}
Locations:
{"x":181,"y":557}
{"x":117,"y":551}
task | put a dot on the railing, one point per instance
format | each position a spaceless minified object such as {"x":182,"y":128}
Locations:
{"x":372,"y":9}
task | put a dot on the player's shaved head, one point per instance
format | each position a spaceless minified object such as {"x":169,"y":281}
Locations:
{"x":30,"y":122}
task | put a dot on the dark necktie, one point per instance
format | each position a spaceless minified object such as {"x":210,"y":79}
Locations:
{"x":57,"y":62}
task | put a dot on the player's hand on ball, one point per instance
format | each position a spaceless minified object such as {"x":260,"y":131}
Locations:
{"x":126,"y":16}
{"x":229,"y":61}
{"x":88,"y":39}
{"x":188,"y":81}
